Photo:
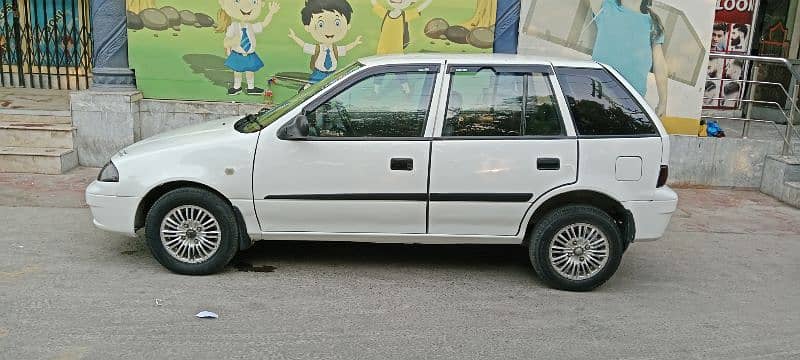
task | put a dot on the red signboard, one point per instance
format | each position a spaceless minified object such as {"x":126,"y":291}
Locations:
{"x":732,"y":34}
{"x":735,"y":11}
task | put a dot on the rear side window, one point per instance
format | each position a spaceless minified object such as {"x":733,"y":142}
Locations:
{"x":485,"y":103}
{"x":601,"y":106}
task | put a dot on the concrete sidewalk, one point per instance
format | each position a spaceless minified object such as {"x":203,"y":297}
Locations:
{"x":37,"y":190}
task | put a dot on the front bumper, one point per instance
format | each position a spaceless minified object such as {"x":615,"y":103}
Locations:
{"x":652,"y":217}
{"x":112,"y":213}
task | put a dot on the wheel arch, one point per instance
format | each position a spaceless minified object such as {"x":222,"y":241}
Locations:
{"x":613,"y":207}
{"x":158,"y":191}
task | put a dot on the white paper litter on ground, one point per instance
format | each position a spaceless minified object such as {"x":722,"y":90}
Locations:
{"x":207,"y":315}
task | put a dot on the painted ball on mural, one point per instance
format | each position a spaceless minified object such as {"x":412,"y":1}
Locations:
{"x":172,"y":15}
{"x":204,"y":20}
{"x":187,"y":17}
{"x":435,"y":28}
{"x":482,"y":38}
{"x":154,"y":19}
{"x":134,"y":21}
{"x":457,"y":34}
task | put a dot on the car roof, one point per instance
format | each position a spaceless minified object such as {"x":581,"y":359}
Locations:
{"x":469,"y":59}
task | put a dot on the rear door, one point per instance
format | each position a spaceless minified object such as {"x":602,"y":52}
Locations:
{"x":501,"y":144}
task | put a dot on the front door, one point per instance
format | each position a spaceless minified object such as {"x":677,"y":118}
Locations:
{"x":503,"y":144}
{"x":364,"y":169}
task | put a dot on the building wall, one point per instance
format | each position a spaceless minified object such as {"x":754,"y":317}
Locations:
{"x":183,"y":50}
{"x":719,"y":162}
{"x":158,"y":116}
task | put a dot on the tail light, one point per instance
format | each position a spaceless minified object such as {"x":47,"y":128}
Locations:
{"x":663,"y":174}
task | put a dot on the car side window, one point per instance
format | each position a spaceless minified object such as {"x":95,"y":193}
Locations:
{"x":392,"y":104}
{"x":485,"y":103}
{"x":601,"y":106}
{"x":542,"y":117}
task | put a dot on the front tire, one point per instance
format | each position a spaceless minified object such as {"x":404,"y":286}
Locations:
{"x":192,"y":231}
{"x":576,"y":248}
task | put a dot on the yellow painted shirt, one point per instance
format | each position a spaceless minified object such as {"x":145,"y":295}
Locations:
{"x":391,"y":38}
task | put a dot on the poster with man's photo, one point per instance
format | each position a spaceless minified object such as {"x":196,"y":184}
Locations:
{"x":732,"y":34}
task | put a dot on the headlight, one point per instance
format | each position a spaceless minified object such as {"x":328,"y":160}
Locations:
{"x":109,"y":173}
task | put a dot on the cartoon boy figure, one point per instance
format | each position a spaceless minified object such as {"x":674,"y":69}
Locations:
{"x":240,"y":39}
{"x":394,"y":36}
{"x":328,"y":22}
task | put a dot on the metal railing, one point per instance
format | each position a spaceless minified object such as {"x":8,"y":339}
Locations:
{"x":790,"y":132}
{"x":45,"y":44}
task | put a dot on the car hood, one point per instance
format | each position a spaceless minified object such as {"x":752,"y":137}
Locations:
{"x":193,"y":135}
{"x":212,"y":153}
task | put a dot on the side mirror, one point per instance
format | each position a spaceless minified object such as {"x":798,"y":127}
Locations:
{"x":297,"y":129}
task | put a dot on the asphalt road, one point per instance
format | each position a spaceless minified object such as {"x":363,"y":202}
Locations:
{"x":724,"y":283}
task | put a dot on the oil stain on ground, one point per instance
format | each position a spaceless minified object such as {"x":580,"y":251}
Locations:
{"x":246,"y":267}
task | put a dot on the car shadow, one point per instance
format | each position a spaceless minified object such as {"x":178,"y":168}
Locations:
{"x":513,"y":258}
{"x":276,"y":256}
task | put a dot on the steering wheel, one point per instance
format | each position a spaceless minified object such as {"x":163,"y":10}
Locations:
{"x":345,"y":117}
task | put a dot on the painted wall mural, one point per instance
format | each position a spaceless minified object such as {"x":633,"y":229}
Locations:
{"x":265,"y":51}
{"x":659,"y":46}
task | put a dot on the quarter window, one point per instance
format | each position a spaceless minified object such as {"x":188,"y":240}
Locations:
{"x":601,"y":106}
{"x":393,"y":104}
{"x":486,"y":103}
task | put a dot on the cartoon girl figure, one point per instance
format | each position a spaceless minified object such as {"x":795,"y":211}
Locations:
{"x":240,"y":39}
{"x":629,"y":39}
{"x":394,"y":37}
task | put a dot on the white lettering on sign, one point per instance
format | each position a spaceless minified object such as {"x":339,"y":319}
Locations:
{"x":738,"y":5}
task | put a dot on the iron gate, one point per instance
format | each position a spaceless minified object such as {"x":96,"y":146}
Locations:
{"x":45,"y":44}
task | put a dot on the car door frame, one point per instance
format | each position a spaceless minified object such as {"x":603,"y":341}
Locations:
{"x":271,"y":133}
{"x":565,"y":118}
{"x":355,"y":78}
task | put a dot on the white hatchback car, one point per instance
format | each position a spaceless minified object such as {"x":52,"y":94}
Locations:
{"x":563,"y":157}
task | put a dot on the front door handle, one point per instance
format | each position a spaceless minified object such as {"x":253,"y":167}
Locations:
{"x":548,"y":164}
{"x":401,"y":164}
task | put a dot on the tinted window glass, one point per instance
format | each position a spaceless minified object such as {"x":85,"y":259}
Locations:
{"x":247,"y":125}
{"x":600,"y":105}
{"x":383,"y":105}
{"x":541,"y":110}
{"x":486,"y":103}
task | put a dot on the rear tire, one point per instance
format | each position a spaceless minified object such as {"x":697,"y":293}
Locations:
{"x":576,"y":248}
{"x":192,"y":231}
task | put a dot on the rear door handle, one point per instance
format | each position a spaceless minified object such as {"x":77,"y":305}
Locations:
{"x":548,"y":164}
{"x":401,"y":164}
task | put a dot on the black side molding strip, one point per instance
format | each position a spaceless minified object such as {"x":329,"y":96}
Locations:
{"x":353,"y":197}
{"x":482,"y":197}
{"x":466,"y":197}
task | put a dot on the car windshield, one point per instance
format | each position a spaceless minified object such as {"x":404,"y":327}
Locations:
{"x":256,"y":122}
